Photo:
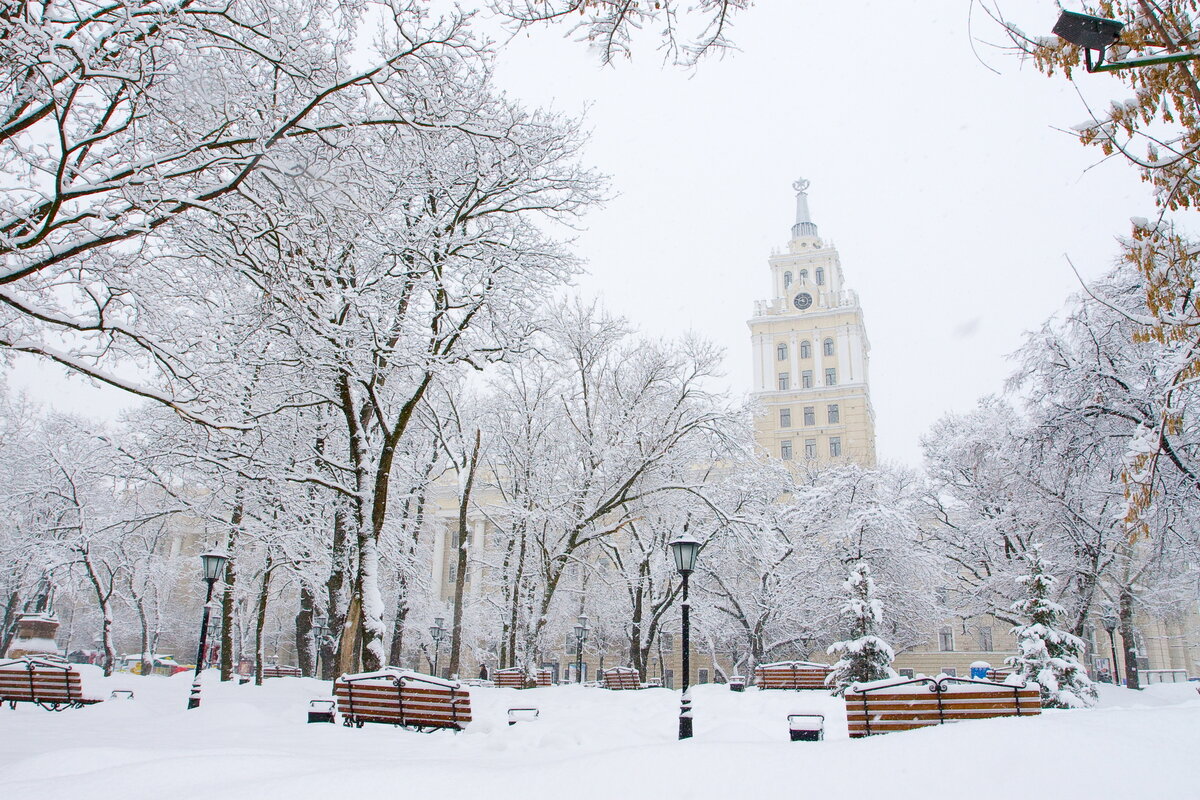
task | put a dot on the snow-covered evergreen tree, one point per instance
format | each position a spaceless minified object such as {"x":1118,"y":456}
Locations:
{"x":1046,"y":654}
{"x":864,"y":656}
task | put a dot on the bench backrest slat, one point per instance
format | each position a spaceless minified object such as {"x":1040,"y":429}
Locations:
{"x":791,"y":675}
{"x":39,"y":682}
{"x":915,"y":704}
{"x":413,"y":702}
{"x":621,"y":678}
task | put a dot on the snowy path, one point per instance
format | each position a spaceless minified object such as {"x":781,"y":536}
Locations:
{"x":249,"y":742}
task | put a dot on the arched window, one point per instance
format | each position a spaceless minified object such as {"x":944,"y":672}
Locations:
{"x":803,"y":277}
{"x":820,"y":276}
{"x":829,"y":347}
{"x":787,"y":279}
{"x":781,"y":352}
{"x":805,"y":349}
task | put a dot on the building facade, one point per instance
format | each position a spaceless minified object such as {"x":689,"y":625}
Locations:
{"x":811,"y":355}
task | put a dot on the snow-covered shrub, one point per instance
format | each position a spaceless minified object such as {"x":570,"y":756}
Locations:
{"x":864,"y":656}
{"x":1046,"y":654}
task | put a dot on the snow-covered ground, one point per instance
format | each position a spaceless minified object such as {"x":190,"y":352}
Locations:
{"x":253,"y":742}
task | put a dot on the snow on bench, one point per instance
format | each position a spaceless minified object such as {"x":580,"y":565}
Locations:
{"x":53,"y":685}
{"x":544,"y":678}
{"x":280,"y":671}
{"x":901,"y":705}
{"x":401,"y":697}
{"x":620,"y":678}
{"x":791,"y":675}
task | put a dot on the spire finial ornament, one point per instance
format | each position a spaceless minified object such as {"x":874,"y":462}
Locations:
{"x":804,"y":227}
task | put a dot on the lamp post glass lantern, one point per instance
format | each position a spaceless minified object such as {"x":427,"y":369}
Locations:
{"x":685,"y":549}
{"x":437,"y":633}
{"x":581,"y":632}
{"x":1109,"y":621}
{"x":320,"y":629}
{"x":213,"y":567}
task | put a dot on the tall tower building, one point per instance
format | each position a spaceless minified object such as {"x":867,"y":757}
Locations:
{"x":811,"y":355}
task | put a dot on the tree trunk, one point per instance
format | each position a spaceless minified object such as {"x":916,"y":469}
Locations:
{"x":464,"y":549}
{"x":260,"y":622}
{"x":147,"y":651}
{"x":8,"y":626}
{"x":227,"y":597}
{"x":1128,"y":640}
{"x":305,"y":646}
{"x":336,"y":600}
{"x":348,"y":646}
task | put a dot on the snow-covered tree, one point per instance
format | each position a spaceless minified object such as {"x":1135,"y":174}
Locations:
{"x":1046,"y":654}
{"x":864,"y":656}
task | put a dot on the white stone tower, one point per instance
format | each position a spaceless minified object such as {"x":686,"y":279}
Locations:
{"x":810,"y":354}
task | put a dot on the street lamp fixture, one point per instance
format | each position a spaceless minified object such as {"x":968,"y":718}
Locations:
{"x":1109,"y":621}
{"x":437,"y":632}
{"x":320,"y":629}
{"x":213,"y":566}
{"x":1098,"y":33}
{"x":581,"y":632}
{"x":685,"y":549}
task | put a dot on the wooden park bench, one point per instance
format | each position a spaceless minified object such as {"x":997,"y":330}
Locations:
{"x":901,"y":705}
{"x":281,"y":671}
{"x":402,"y":697}
{"x":53,"y":685}
{"x":511,"y":678}
{"x":620,"y":678}
{"x":518,"y":678}
{"x":791,"y":675}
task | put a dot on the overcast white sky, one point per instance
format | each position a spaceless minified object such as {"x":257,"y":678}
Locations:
{"x":947,"y":188}
{"x":951,"y":191}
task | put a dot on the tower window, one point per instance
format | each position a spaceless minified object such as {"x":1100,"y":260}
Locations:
{"x":820,"y":273}
{"x":831,"y":376}
{"x":781,"y":352}
{"x":787,"y":279}
{"x":803,"y":277}
{"x":810,"y":416}
{"x":835,"y":446}
{"x":805,"y":349}
{"x":783,"y":381}
{"x":810,"y":449}
{"x":806,"y":379}
{"x":785,"y":450}
{"x":833,"y":413}
{"x":785,"y":418}
{"x":829,"y":347}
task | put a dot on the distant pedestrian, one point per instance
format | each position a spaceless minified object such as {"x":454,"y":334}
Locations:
{"x":483,"y":672}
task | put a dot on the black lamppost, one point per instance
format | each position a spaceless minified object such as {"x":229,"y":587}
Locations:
{"x":581,"y":632}
{"x":437,"y":633}
{"x":320,"y":628}
{"x":1109,"y":621}
{"x":685,"y":549}
{"x":214,"y":566}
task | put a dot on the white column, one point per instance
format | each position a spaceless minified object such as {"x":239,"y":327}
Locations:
{"x":768,"y":364}
{"x":477,"y":555}
{"x":818,"y":342}
{"x":756,"y":360}
{"x":794,"y":359}
{"x":439,"y":556}
{"x":855,"y":352}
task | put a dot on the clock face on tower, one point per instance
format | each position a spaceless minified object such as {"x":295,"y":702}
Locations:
{"x":802,"y":300}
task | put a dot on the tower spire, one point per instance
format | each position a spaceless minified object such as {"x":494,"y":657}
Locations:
{"x":804,"y":225}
